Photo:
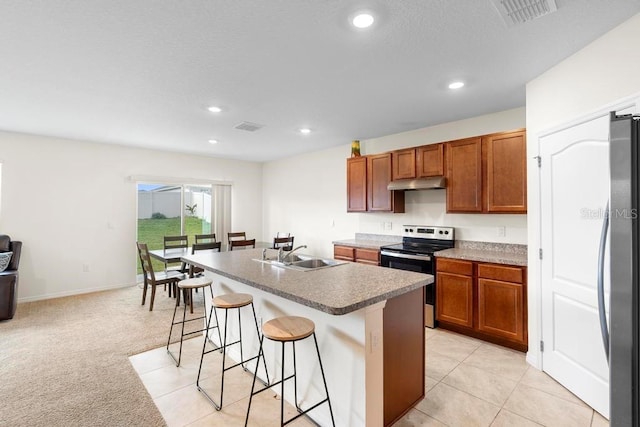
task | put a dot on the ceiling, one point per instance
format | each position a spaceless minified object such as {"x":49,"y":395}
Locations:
{"x":143,"y":72}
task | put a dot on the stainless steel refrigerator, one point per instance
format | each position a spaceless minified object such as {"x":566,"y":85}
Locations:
{"x":621,"y":337}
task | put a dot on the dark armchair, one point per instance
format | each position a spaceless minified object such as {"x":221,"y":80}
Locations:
{"x":9,"y":278}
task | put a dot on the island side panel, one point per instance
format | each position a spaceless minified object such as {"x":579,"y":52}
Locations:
{"x":341,"y":340}
{"x":404,"y":354}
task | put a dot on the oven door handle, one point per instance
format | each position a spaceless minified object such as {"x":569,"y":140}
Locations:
{"x":405,"y":256}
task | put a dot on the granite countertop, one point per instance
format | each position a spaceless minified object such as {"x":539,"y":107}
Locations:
{"x":362,"y":243}
{"x":497,"y":253}
{"x":369,"y":241}
{"x":335,"y":290}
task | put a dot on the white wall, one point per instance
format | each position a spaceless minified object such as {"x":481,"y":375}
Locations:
{"x":605,"y":71}
{"x":307,"y":194}
{"x":71,"y":204}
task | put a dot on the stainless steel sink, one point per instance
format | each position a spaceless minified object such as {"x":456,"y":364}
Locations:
{"x":315,"y":263}
{"x":304,"y":263}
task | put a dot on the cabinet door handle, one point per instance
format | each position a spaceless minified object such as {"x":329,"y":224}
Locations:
{"x":407,"y":256}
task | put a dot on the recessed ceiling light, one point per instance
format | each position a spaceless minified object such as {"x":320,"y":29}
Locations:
{"x":213,"y":141}
{"x":362,"y":20}
{"x":215,"y":109}
{"x":305,"y":131}
{"x":456,"y":85}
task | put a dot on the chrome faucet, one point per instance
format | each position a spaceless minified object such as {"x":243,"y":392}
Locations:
{"x":282,"y":258}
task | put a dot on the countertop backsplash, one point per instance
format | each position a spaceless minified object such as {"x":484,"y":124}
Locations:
{"x":379,"y":237}
{"x":511,"y":248}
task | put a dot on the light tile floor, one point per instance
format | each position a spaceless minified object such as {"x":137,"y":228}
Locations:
{"x":468,"y":383}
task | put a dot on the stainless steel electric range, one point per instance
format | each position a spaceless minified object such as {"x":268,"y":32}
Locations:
{"x":415,"y":253}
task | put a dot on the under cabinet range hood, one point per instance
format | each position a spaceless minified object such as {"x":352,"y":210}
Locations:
{"x":432,"y":183}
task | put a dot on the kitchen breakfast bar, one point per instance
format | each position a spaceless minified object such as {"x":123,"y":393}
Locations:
{"x":369,"y":324}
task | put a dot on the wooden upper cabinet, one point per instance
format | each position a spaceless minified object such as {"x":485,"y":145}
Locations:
{"x":379,"y":198}
{"x":464,"y":175}
{"x":357,"y":184}
{"x":488,"y":173}
{"x":506,"y":172}
{"x":430,"y":160}
{"x":404,"y":164}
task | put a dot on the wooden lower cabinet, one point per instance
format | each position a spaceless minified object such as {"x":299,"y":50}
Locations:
{"x":454,"y":294}
{"x":354,"y":254}
{"x":486,"y":301}
{"x":345,"y":253}
{"x":367,"y":256}
{"x":500,"y":309}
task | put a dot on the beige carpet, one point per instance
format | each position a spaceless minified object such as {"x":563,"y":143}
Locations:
{"x":63,"y":362}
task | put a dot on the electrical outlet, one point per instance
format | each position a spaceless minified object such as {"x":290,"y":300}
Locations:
{"x":375,"y":340}
{"x":501,"y":231}
{"x":85,"y":268}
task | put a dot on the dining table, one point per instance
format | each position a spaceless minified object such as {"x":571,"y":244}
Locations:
{"x":173,"y":255}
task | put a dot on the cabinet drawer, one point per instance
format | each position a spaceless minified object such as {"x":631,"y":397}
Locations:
{"x":454,"y":266}
{"x":367,"y":256}
{"x":343,"y":252}
{"x":499,"y":272}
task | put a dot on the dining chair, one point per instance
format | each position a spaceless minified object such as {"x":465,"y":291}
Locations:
{"x":205,"y":238}
{"x":176,"y":242}
{"x":242,"y":244}
{"x":238,"y":235}
{"x":286,"y":243}
{"x":194,"y":270}
{"x":153,"y":279}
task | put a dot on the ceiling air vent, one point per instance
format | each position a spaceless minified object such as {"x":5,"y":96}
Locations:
{"x":249,"y":127}
{"x":515,"y":12}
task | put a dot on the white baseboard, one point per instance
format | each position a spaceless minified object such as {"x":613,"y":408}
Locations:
{"x":73,"y":292}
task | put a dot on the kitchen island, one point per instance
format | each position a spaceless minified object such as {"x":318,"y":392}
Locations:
{"x":369,"y":322}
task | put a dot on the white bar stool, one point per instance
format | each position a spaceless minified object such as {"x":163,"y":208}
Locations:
{"x":187,"y":285}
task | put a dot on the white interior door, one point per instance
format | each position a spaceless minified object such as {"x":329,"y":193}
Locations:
{"x":574,"y":188}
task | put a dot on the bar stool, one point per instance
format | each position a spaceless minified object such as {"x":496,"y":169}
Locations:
{"x":227,"y":302}
{"x":184,"y":286}
{"x":289,"y":329}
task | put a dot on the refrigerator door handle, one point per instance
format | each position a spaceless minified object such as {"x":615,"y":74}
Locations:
{"x":604,"y":329}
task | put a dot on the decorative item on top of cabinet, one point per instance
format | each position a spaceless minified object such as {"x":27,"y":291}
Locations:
{"x":430,"y":160}
{"x":355,"y":148}
{"x":487,"y":174}
{"x":482,"y":300}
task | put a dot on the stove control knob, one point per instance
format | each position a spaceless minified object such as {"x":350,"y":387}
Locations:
{"x":406,"y":230}
{"x":411,"y":230}
{"x":440,"y":231}
{"x":446,"y":232}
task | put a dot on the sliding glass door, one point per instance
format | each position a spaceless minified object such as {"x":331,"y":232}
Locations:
{"x":181,"y":209}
